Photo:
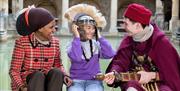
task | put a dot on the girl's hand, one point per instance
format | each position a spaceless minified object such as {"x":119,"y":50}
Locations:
{"x":99,"y":34}
{"x":109,"y":78}
{"x":75,"y":30}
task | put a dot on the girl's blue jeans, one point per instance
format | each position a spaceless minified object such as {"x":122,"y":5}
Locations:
{"x":86,"y":85}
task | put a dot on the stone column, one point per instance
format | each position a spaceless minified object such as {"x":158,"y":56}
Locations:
{"x":21,"y":4}
{"x":3,"y":19}
{"x":65,"y":6}
{"x":159,"y":6}
{"x":17,"y":6}
{"x":174,"y":22}
{"x":113,"y":16}
{"x":159,"y":16}
{"x":4,"y":6}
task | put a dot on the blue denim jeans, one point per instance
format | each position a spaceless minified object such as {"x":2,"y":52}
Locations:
{"x":86,"y":85}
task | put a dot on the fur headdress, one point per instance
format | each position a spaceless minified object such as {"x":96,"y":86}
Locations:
{"x":89,"y":10}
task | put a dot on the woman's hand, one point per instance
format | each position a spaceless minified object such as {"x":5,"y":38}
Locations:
{"x":146,"y":76}
{"x":109,"y":78}
{"x":75,"y":30}
{"x":23,"y":88}
{"x":67,"y":81}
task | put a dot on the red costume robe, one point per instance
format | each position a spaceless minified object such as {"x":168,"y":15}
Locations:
{"x":162,"y":53}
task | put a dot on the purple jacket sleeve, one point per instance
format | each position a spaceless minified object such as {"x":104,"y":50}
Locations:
{"x":75,"y":51}
{"x":106,"y":50}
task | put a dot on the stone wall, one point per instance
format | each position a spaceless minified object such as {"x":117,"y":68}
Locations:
{"x":122,"y":5}
{"x":54,"y":6}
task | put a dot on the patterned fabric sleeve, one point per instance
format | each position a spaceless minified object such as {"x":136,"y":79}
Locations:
{"x":16,"y":64}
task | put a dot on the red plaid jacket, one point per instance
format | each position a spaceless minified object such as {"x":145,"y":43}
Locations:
{"x":26,"y":59}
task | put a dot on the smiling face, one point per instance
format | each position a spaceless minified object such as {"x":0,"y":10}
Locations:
{"x":132,"y":27}
{"x":46,"y":32}
{"x":87,"y":31}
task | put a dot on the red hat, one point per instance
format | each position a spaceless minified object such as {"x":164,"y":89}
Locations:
{"x":138,"y":13}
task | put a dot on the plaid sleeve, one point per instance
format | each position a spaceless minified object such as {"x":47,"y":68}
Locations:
{"x":16,"y":63}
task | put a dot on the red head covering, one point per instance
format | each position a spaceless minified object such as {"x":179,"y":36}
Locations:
{"x":138,"y":13}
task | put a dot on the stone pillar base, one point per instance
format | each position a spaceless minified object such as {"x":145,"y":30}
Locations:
{"x":174,"y":23}
{"x":3,"y":37}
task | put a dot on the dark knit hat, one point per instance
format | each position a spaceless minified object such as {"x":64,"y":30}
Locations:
{"x":32,"y":20}
{"x":138,"y":13}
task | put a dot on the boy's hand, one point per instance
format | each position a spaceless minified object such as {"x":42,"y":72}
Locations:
{"x":146,"y":76}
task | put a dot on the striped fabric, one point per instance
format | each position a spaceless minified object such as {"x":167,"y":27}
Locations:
{"x":26,"y":59}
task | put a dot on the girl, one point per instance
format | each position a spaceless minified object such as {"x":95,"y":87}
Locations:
{"x":36,"y":63}
{"x":84,"y":51}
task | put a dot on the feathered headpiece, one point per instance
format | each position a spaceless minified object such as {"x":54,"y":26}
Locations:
{"x":89,"y":10}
